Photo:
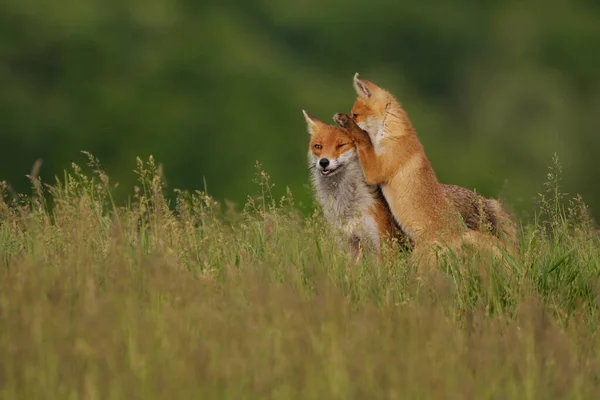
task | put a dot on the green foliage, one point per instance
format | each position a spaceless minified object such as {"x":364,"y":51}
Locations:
{"x":493,"y":88}
{"x":195,"y":300}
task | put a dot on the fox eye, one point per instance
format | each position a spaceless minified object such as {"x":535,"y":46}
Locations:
{"x":339,"y":146}
{"x":318,"y":146}
{"x":354,"y":116}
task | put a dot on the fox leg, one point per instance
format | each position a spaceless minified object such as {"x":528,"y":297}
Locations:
{"x":487,"y":246}
{"x":380,"y":251}
{"x":355,"y":249}
{"x":378,"y":169}
{"x":427,"y":256}
{"x":366,"y":152}
{"x":422,"y":258}
{"x":481,"y":242}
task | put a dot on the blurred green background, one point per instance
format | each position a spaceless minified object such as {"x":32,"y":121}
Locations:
{"x":494,"y":88}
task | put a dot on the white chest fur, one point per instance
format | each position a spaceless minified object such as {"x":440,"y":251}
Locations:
{"x":346,"y":200}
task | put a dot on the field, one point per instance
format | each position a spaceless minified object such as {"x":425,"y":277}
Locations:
{"x":192,"y":300}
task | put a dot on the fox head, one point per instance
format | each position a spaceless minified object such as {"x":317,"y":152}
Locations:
{"x":371,"y":105}
{"x":331,"y":148}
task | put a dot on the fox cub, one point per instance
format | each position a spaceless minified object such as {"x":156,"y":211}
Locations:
{"x":392,"y":157}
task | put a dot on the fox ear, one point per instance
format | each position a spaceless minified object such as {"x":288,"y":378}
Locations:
{"x":311,"y":122}
{"x":361,"y":87}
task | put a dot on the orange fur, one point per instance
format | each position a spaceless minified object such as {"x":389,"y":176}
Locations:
{"x":410,"y":186}
{"x":392,"y":156}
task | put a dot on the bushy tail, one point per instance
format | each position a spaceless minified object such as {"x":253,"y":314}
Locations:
{"x":506,"y":227}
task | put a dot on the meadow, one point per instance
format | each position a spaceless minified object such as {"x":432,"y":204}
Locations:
{"x":194,"y":299}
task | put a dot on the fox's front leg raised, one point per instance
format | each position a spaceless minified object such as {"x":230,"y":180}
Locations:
{"x":369,"y":160}
{"x":358,"y":135}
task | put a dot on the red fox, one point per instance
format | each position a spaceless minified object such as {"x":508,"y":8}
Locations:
{"x":349,"y":204}
{"x":360,"y":210}
{"x":392,"y":157}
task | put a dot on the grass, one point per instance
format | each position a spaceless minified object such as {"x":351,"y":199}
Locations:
{"x":192,"y":301}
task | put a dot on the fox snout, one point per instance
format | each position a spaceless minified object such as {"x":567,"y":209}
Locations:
{"x":328,"y":166}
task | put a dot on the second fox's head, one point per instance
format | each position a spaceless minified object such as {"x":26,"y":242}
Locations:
{"x":371,"y":105}
{"x":331,"y":148}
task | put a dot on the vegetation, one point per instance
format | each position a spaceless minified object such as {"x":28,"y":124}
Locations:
{"x":492,"y":87}
{"x":193,"y":300}
{"x":108,"y":293}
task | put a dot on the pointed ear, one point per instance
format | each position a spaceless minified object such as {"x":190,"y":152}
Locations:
{"x":311,"y":122}
{"x":361,"y":87}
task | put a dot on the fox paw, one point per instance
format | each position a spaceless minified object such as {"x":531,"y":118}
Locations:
{"x":343,"y":120}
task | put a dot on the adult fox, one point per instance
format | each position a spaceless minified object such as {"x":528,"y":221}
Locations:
{"x":356,"y":210}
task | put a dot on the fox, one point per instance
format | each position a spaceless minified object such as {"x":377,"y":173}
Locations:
{"x":349,"y":205}
{"x":342,"y":192}
{"x":393,"y":158}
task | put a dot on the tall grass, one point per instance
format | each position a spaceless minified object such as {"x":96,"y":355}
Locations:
{"x":190,"y":300}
